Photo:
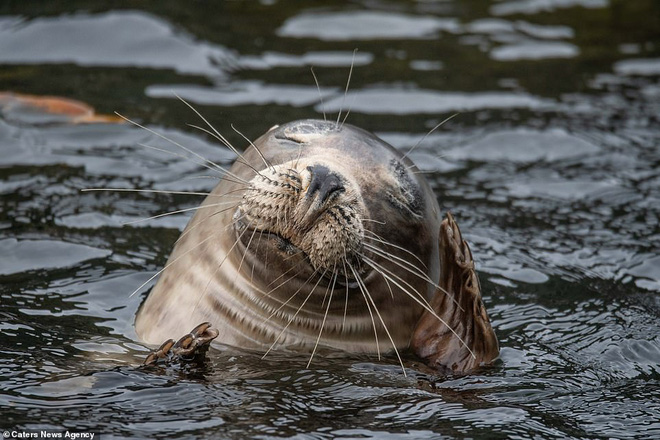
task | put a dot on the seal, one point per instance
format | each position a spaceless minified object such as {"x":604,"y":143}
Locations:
{"x":323,"y":235}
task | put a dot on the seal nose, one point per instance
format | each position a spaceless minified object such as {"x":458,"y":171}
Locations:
{"x":323,"y":183}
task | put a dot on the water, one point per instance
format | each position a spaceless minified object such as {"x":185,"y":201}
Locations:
{"x":551,"y":168}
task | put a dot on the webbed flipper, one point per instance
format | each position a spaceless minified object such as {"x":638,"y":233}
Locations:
{"x":466,"y":339}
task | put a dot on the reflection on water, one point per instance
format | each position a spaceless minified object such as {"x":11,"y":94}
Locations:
{"x":365,"y":25}
{"x":121,"y":38}
{"x":551,"y":168}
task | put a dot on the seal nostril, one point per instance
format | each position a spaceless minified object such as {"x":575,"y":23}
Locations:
{"x":324,"y":182}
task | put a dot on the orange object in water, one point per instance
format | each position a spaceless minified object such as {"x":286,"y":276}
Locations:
{"x":73,"y":111}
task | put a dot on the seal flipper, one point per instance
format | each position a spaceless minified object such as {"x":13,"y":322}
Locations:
{"x":459,"y":305}
{"x":194,"y":343}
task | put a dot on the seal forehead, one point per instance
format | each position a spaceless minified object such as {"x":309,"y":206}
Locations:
{"x":309,"y":130}
{"x":310,"y":137}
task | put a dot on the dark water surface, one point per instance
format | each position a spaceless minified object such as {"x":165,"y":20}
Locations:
{"x":552,"y":169}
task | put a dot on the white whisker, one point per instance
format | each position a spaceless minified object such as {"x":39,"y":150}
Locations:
{"x":348,"y":112}
{"x":373,"y":264}
{"x":201,"y":296}
{"x":217,"y":134}
{"x":343,"y":323}
{"x":427,"y":134}
{"x":247,"y":247}
{"x":205,"y":165}
{"x":254,"y":262}
{"x":384,"y":272}
{"x":320,"y":95}
{"x":309,"y":295}
{"x":411,"y":166}
{"x":173,"y":142}
{"x":201,"y":177}
{"x":155,"y":191}
{"x":417,"y":271}
{"x":172,"y":262}
{"x":325,"y":315}
{"x":348,"y":82}
{"x":179,"y":211}
{"x":380,"y":222}
{"x":368,"y":296}
{"x":224,"y":141}
{"x":263,"y":158}
{"x":190,"y":228}
{"x":283,"y":304}
{"x":379,"y":239}
{"x":371,"y":314}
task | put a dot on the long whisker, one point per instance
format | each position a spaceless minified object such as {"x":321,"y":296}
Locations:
{"x":379,"y":239}
{"x":217,"y":134}
{"x":283,"y":304}
{"x":190,"y":228}
{"x":412,"y":166}
{"x":375,"y":265}
{"x":263,"y":158}
{"x":412,"y":269}
{"x":189,"y":159}
{"x":343,"y":262}
{"x":155,"y":191}
{"x":217,"y":269}
{"x":202,"y":177}
{"x":224,"y":141}
{"x":254,"y":262}
{"x":427,"y":134}
{"x":247,"y":247}
{"x":176,"y":259}
{"x":348,"y":112}
{"x":384,"y":272}
{"x":172,"y":262}
{"x":380,"y":222}
{"x":309,"y":295}
{"x":299,"y":155}
{"x":404,"y":264}
{"x":325,"y":316}
{"x":373,"y":321}
{"x":368,"y":296}
{"x":174,"y":153}
{"x":173,"y":142}
{"x":320,"y":95}
{"x":179,"y":211}
{"x":325,"y":295}
{"x":281,"y":276}
{"x":348,"y":82}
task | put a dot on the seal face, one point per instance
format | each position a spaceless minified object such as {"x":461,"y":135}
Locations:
{"x":318,"y":235}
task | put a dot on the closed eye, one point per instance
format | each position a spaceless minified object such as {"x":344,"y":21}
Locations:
{"x":406,"y":196}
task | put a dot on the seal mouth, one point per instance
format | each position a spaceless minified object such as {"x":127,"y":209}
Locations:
{"x":283,"y":243}
{"x":338,"y":275}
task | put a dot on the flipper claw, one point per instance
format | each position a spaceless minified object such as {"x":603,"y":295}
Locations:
{"x":188,"y":346}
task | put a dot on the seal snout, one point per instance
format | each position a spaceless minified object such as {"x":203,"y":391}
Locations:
{"x":311,"y":207}
{"x":324,"y":186}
